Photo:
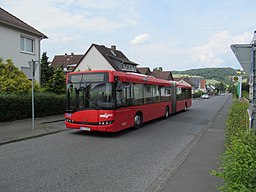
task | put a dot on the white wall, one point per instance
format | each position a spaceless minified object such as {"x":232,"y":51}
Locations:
{"x":94,"y":60}
{"x":10,"y":48}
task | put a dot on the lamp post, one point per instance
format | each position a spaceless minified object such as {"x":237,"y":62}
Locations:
{"x":33,"y":66}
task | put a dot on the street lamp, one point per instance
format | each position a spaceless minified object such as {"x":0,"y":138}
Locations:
{"x":33,"y":66}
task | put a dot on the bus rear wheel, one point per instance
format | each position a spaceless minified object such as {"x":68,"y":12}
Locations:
{"x":138,"y":120}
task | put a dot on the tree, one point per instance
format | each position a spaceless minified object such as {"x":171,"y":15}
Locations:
{"x":57,"y":83}
{"x":221,"y":87}
{"x":231,"y":87}
{"x":13,"y":80}
{"x":46,"y":70}
{"x":158,"y":69}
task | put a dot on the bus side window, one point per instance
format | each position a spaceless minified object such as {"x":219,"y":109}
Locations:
{"x":124,"y":97}
{"x":162,"y":94}
{"x":138,"y":94}
{"x":156,"y":94}
{"x":168,"y":93}
{"x":179,"y":93}
{"x":118,"y":99}
{"x":126,"y":94}
{"x":148,"y":96}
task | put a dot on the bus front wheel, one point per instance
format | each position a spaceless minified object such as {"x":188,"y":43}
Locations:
{"x":138,"y":120}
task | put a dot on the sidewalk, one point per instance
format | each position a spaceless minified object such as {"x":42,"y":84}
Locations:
{"x":194,"y":174}
{"x":22,"y":129}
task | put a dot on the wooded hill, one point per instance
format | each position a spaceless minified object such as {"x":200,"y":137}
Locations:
{"x":219,"y":74}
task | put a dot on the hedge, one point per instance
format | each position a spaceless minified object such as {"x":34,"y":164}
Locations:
{"x":238,"y":168}
{"x":14,"y":107}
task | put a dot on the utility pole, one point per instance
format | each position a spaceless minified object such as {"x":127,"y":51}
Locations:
{"x":245,"y":54}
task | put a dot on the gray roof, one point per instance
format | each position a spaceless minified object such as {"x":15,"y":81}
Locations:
{"x":12,"y":21}
{"x":114,"y":57}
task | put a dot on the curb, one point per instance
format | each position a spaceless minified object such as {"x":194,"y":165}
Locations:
{"x":53,"y":121}
{"x":29,"y":137}
{"x":45,"y":131}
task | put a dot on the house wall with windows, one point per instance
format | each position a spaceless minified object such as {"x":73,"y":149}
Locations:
{"x":20,"y":47}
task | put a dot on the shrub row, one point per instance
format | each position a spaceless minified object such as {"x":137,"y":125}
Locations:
{"x":238,"y":168}
{"x":14,"y":107}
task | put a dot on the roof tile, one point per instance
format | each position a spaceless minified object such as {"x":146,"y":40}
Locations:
{"x":12,"y":21}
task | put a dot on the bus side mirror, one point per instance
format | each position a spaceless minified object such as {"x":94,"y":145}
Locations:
{"x":119,"y":86}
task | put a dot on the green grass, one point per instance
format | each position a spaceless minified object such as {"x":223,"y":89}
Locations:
{"x":211,"y":81}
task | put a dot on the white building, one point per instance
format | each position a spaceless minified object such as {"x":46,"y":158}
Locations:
{"x":19,"y":42}
{"x":99,"y":57}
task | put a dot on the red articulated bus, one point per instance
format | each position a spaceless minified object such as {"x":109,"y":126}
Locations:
{"x":110,"y":101}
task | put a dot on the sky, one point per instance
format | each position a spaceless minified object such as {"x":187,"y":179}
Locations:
{"x":172,"y":34}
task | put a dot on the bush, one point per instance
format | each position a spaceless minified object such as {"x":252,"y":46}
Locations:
{"x":13,"y":80}
{"x":15,"y":107}
{"x":238,"y":167}
{"x":236,"y":121}
{"x":198,"y":94}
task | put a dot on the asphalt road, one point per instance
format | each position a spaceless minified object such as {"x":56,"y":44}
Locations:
{"x":130,"y":160}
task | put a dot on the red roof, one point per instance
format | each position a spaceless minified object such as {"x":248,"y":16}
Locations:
{"x":64,"y":60}
{"x":144,"y":70}
{"x":166,"y":75}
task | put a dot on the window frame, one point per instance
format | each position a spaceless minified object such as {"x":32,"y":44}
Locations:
{"x":24,"y":44}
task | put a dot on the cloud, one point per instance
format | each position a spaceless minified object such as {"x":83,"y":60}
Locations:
{"x":67,"y":39}
{"x":140,"y":39}
{"x":71,"y":15}
{"x":214,"y":52}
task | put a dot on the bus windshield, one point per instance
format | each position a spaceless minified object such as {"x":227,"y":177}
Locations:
{"x":89,"y":95}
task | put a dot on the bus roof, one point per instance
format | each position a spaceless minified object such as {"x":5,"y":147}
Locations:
{"x":127,"y":77}
{"x":183,"y":84}
{"x":133,"y":77}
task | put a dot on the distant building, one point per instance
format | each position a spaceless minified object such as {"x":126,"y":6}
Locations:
{"x":210,"y":89}
{"x":66,"y":62}
{"x":187,"y":80}
{"x":19,"y":42}
{"x":144,"y":70}
{"x":203,"y":85}
{"x":200,"y":83}
{"x":166,"y":75}
{"x":99,"y":57}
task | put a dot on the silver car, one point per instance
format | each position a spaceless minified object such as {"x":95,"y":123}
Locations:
{"x":205,"y":96}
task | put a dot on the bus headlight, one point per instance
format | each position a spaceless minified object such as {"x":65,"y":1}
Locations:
{"x":105,"y":122}
{"x":69,"y":120}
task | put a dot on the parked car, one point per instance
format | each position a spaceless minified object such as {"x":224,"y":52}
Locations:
{"x":205,"y":96}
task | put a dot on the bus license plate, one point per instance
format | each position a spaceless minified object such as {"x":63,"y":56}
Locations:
{"x":85,"y":129}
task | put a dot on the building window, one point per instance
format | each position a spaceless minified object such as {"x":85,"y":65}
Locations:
{"x":26,"y":44}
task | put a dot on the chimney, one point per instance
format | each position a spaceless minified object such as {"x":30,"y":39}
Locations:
{"x":254,"y":38}
{"x":113,"y":47}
